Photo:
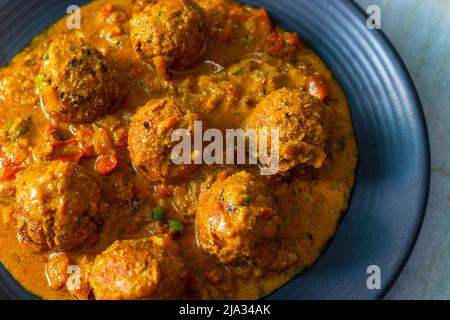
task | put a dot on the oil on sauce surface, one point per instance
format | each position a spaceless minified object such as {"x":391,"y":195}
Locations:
{"x":235,"y":75}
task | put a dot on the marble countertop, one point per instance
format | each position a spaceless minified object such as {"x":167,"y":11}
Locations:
{"x":419,"y":30}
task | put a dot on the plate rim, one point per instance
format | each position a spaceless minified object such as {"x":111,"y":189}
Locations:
{"x":424,"y":133}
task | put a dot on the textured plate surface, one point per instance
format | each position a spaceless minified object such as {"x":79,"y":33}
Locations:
{"x":391,"y":190}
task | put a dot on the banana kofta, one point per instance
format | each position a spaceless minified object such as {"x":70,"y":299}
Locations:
{"x":58,"y":206}
{"x":150,"y":139}
{"x":76,"y":84}
{"x":303,"y":125}
{"x":172,"y":34}
{"x":236,"y":217}
{"x":139,"y":269}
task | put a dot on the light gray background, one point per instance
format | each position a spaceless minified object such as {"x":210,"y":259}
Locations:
{"x":420,"y":30}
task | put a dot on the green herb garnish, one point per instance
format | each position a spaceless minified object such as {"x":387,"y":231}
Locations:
{"x":236,"y":71}
{"x":41,"y":81}
{"x":46,"y":55}
{"x":18,"y":128}
{"x":176,"y":226}
{"x":158,"y":214}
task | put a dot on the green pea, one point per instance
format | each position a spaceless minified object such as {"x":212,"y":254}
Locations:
{"x":158,"y":214}
{"x":176,"y":226}
{"x":46,"y":55}
{"x":41,"y":81}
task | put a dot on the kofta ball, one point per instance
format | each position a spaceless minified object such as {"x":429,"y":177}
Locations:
{"x":139,"y":269}
{"x":58,"y":206}
{"x":303,"y":125}
{"x":150,"y":139}
{"x":171,"y":34}
{"x":76,"y":84}
{"x":236,"y":217}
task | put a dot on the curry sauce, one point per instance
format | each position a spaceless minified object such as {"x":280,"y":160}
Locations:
{"x":246,"y":59}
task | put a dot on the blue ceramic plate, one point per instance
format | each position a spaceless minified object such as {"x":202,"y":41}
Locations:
{"x":391,"y":190}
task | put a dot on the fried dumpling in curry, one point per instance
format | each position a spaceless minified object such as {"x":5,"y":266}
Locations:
{"x":303,"y":125}
{"x":76,"y":84}
{"x":236,"y":218}
{"x":172,"y":34}
{"x":150,"y":139}
{"x":139,"y":269}
{"x":58,"y":206}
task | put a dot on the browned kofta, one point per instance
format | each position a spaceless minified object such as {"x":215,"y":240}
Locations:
{"x":58,"y":206}
{"x":236,"y":217}
{"x":139,"y":269}
{"x":76,"y":84}
{"x":303,"y":124}
{"x":171,"y":34}
{"x":150,"y":139}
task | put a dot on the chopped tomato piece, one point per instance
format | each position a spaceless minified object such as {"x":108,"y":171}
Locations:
{"x":8,"y":170}
{"x":168,"y":124}
{"x":8,"y":173}
{"x":67,"y":150}
{"x":274,"y":43}
{"x":283,"y":45}
{"x":106,"y":164}
{"x":11,"y":164}
{"x":318,"y":86}
{"x":171,"y":122}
